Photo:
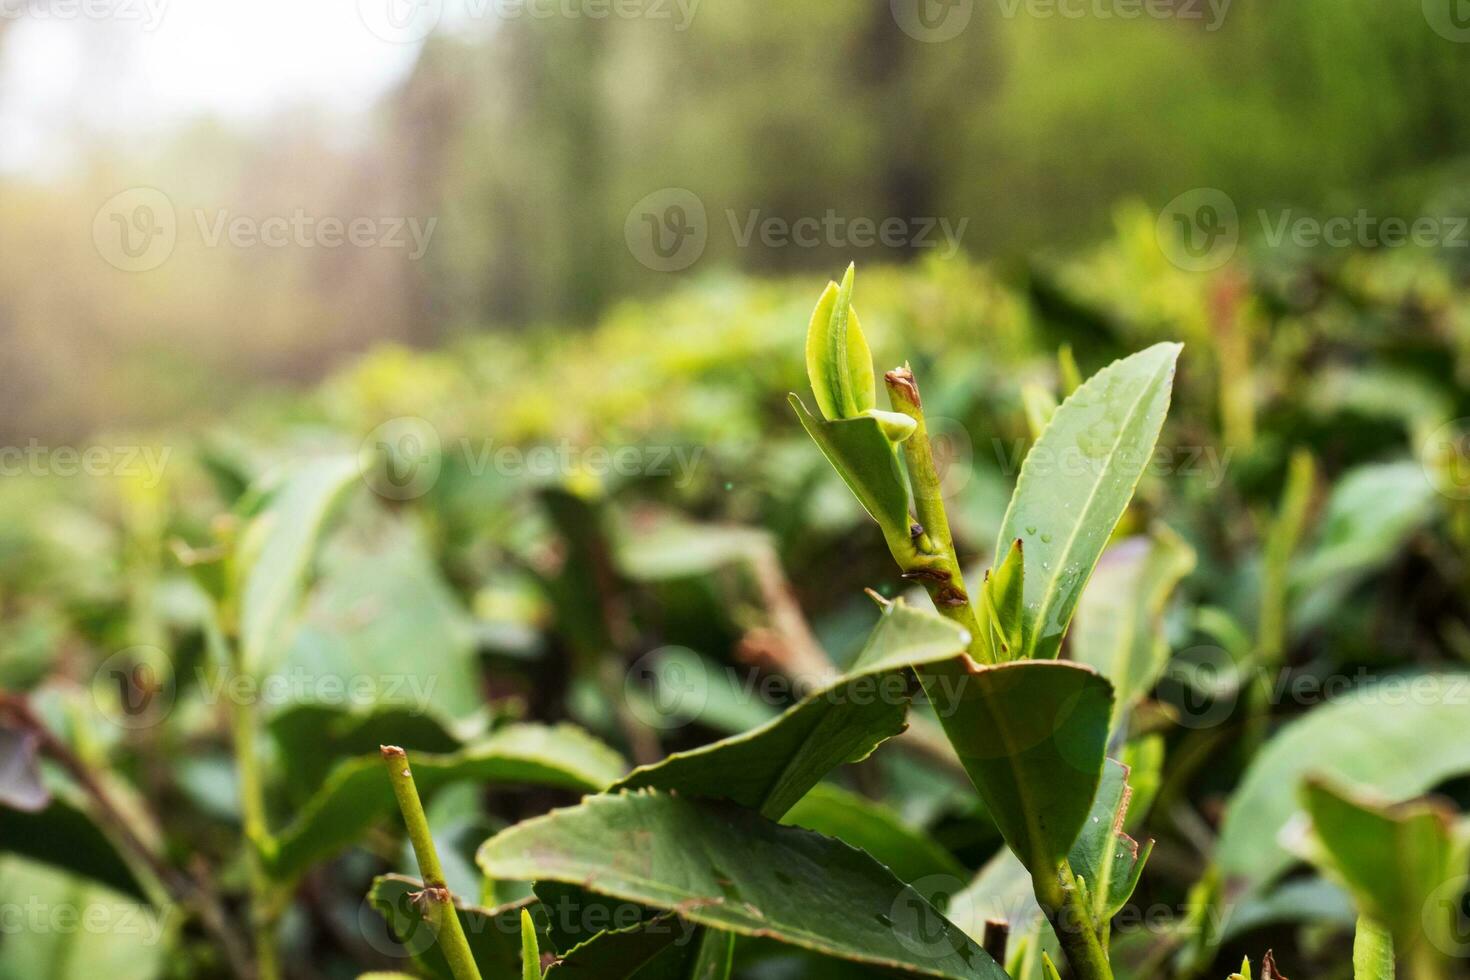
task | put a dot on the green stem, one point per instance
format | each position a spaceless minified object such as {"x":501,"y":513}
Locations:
{"x":933,"y":548}
{"x":258,"y":842}
{"x":929,"y":555}
{"x":438,"y":901}
{"x":1061,"y":900}
{"x":1425,"y":963}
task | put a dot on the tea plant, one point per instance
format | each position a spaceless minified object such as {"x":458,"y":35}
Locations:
{"x":696,"y":834}
{"x":1018,"y":738}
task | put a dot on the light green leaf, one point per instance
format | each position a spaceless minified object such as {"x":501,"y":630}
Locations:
{"x":1391,"y":858}
{"x":1104,"y":856}
{"x":838,"y":362}
{"x":728,"y":868}
{"x":1372,"y":952}
{"x":1040,"y":406}
{"x":1398,"y":737}
{"x":112,"y":935}
{"x":1004,"y":595}
{"x":1119,"y":628}
{"x":530,"y":949}
{"x":769,"y":768}
{"x":1368,"y":519}
{"x":867,"y":460}
{"x":286,"y":533}
{"x":1032,"y":735}
{"x":713,"y":957}
{"x":379,"y":594}
{"x":356,"y":794}
{"x":1077,"y":480}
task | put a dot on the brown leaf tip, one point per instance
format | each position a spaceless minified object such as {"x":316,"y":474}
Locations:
{"x":392,"y":752}
{"x":902,"y":378}
{"x":1268,"y":967}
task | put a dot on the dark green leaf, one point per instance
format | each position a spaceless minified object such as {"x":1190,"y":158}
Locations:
{"x":770,"y":768}
{"x":731,"y":869}
{"x":1032,"y":735}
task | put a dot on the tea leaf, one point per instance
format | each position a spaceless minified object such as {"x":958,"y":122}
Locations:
{"x":1398,"y":737}
{"x":1119,"y":626}
{"x":1392,"y":858}
{"x":729,"y":868}
{"x":1032,"y":736}
{"x":82,"y":931}
{"x":772,"y":767}
{"x":356,"y":795}
{"x":530,"y":950}
{"x":1004,"y":594}
{"x":1108,"y":859}
{"x":65,"y":837}
{"x":877,"y":830}
{"x":1076,"y":483}
{"x":838,"y":362}
{"x":286,"y":534}
{"x":864,"y":456}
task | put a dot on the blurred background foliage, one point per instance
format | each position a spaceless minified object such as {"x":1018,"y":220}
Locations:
{"x":1308,"y":519}
{"x":530,"y":140}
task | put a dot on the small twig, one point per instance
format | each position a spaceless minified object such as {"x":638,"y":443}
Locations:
{"x":438,"y":902}
{"x":996,"y":938}
{"x":181,"y":887}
